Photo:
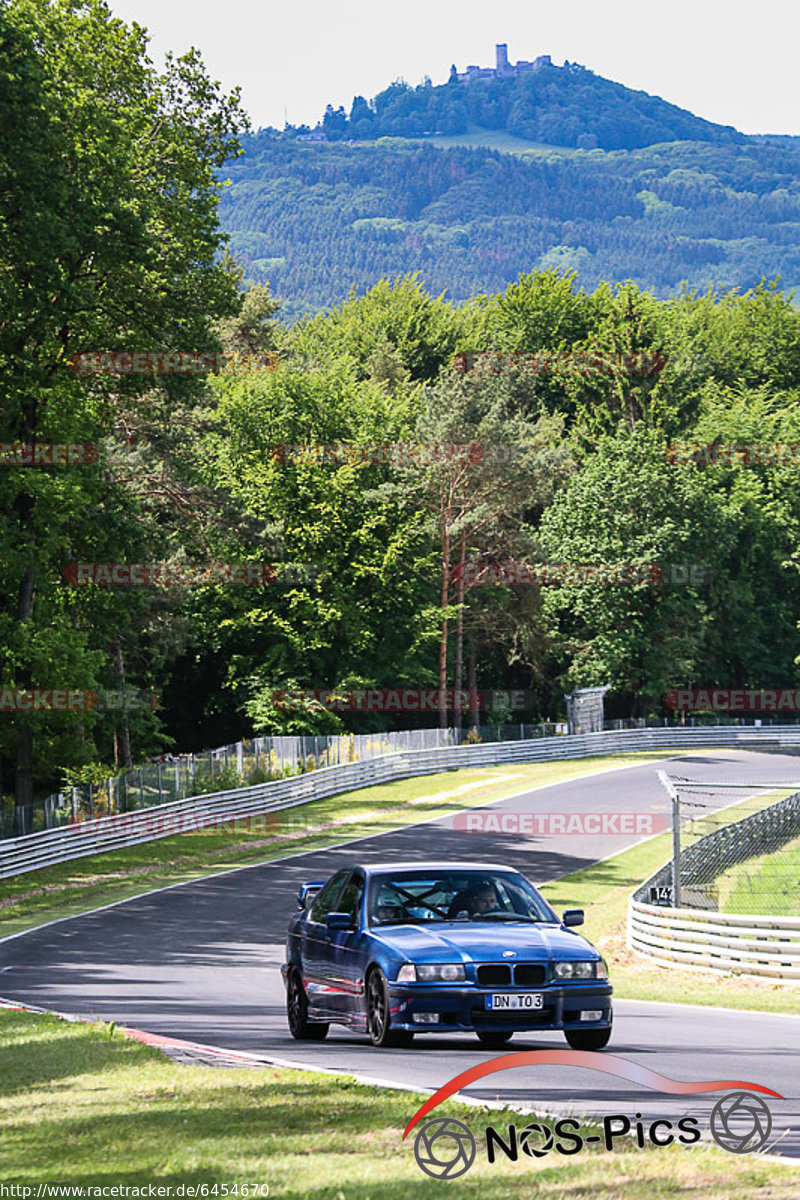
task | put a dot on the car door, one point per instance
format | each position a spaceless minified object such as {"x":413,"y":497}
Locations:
{"x":318,"y":968}
{"x":348,"y":949}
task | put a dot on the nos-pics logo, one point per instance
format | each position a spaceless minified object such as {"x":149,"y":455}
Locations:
{"x":446,"y":1148}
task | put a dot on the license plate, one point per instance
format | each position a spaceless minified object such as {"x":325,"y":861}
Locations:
{"x":507,"y":1000}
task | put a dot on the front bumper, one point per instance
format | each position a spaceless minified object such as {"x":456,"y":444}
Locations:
{"x":464,"y":1008}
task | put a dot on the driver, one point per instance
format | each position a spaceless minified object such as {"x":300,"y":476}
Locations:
{"x":484,"y":899}
{"x":478,"y":899}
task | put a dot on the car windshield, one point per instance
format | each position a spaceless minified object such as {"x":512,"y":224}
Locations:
{"x":422,"y":898}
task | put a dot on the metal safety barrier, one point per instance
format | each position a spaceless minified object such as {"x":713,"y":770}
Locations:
{"x":727,"y":942}
{"x":38,"y":850}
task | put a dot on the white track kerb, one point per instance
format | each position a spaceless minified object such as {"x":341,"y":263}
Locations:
{"x":37,"y":850}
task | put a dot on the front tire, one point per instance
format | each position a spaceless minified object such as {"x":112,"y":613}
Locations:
{"x":297,"y":1012}
{"x":588,"y":1039}
{"x":378,"y":1015}
{"x":494,"y":1040}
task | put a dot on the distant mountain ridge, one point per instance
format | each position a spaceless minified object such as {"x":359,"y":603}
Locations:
{"x":533,"y":100}
{"x":516,"y":185}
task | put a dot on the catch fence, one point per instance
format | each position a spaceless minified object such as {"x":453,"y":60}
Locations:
{"x":729,"y":900}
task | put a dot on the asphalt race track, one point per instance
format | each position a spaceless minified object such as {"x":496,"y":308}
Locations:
{"x":201,"y":962}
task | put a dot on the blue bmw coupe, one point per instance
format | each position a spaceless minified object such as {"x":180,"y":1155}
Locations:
{"x":440,"y":948}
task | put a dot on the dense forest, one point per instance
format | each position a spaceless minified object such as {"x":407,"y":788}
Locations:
{"x":318,"y":220}
{"x":110,"y":241}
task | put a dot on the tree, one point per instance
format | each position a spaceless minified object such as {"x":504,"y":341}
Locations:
{"x":253,"y":329}
{"x":334,"y":123}
{"x":108,"y":241}
{"x":491,"y":467}
{"x":423,"y":330}
{"x":613,"y":380}
{"x":351,"y":618}
{"x":630,"y":507}
{"x":360,"y":111}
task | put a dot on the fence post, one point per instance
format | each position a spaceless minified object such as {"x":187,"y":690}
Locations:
{"x":158,"y":777}
{"x":676,"y":838}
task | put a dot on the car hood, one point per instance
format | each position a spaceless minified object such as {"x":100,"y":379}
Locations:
{"x":481,"y":942}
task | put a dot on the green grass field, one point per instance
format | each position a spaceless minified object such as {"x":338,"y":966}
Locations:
{"x":768,"y":884}
{"x":603,"y":891}
{"x":84,"y":1106}
{"x":498,"y":139}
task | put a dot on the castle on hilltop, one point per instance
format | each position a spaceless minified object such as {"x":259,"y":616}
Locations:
{"x":504,"y":68}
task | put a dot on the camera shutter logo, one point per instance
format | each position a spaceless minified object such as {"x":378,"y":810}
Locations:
{"x":536,"y":1140}
{"x":740,"y":1122}
{"x":444,"y":1148}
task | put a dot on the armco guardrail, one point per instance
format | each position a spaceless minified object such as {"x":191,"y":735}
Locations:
{"x":37,"y":850}
{"x":727,"y":942}
{"x":745,"y":943}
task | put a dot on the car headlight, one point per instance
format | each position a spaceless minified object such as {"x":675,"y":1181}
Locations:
{"x":431,"y":973}
{"x":580,"y":970}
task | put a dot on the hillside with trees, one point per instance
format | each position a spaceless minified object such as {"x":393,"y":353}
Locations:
{"x":316,"y":220}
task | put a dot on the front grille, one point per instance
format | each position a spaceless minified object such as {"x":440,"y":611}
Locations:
{"x":528,"y":1017}
{"x":494,"y":975}
{"x":529,"y":974}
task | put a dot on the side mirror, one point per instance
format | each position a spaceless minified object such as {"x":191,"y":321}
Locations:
{"x":572,"y":916}
{"x":339,"y":920}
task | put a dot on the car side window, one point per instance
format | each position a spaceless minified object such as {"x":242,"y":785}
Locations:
{"x":351,"y":897}
{"x":328,"y":898}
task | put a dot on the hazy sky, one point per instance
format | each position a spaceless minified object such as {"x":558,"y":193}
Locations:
{"x":725,"y":60}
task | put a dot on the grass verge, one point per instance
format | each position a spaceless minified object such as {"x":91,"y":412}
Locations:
{"x":767,"y":884}
{"x":69,"y":888}
{"x":84,"y":1106}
